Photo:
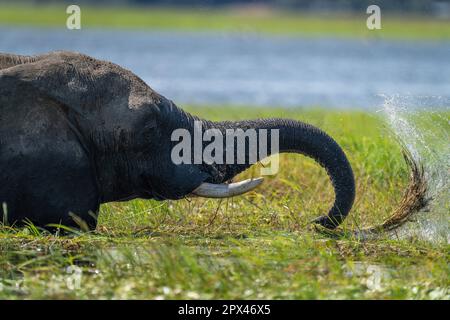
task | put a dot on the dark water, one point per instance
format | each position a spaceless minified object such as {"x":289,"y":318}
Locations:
{"x":221,"y":68}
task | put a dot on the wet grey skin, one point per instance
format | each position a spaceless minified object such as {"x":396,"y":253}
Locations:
{"x":76,"y":132}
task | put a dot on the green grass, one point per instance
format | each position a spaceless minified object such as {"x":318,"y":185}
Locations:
{"x":271,"y":22}
{"x":258,"y":246}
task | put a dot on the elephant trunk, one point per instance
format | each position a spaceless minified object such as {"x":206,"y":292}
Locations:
{"x":299,"y":137}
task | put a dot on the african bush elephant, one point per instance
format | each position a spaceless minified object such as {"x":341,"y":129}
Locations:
{"x":76,"y":132}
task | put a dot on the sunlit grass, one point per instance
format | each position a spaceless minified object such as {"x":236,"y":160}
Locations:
{"x":270,"y":22}
{"x":258,"y":246}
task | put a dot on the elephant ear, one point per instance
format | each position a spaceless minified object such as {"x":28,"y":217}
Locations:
{"x":79,"y":81}
{"x":61,"y":76}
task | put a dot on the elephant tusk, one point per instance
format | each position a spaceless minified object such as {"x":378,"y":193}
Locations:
{"x":210,"y":190}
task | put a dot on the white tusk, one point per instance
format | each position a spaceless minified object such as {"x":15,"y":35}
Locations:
{"x":211,"y":190}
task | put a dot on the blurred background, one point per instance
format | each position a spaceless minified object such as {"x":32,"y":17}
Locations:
{"x":277,"y":53}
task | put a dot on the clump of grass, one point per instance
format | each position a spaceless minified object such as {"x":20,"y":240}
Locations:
{"x":414,"y":200}
{"x":258,"y":246}
{"x":415,"y":196}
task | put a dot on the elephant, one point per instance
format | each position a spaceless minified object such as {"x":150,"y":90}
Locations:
{"x":77,"y":132}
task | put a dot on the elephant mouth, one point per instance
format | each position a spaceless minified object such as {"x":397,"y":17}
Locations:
{"x":224,"y":190}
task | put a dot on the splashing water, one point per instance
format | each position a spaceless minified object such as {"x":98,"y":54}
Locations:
{"x":422,"y":125}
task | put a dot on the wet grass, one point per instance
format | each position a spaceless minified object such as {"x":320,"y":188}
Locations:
{"x":258,"y":246}
{"x":226,"y":20}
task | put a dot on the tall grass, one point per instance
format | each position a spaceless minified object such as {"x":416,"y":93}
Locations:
{"x":257,"y":246}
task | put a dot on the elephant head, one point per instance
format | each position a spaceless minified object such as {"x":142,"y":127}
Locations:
{"x":291,"y":137}
{"x":126,"y":131}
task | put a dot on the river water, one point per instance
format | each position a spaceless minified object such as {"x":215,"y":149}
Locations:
{"x":251,"y":69}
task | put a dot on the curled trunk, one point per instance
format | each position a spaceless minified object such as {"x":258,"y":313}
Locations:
{"x":305,"y":139}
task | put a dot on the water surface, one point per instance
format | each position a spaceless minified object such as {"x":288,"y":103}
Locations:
{"x":250,"y":69}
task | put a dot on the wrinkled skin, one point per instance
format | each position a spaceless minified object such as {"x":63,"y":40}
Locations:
{"x":76,"y":132}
